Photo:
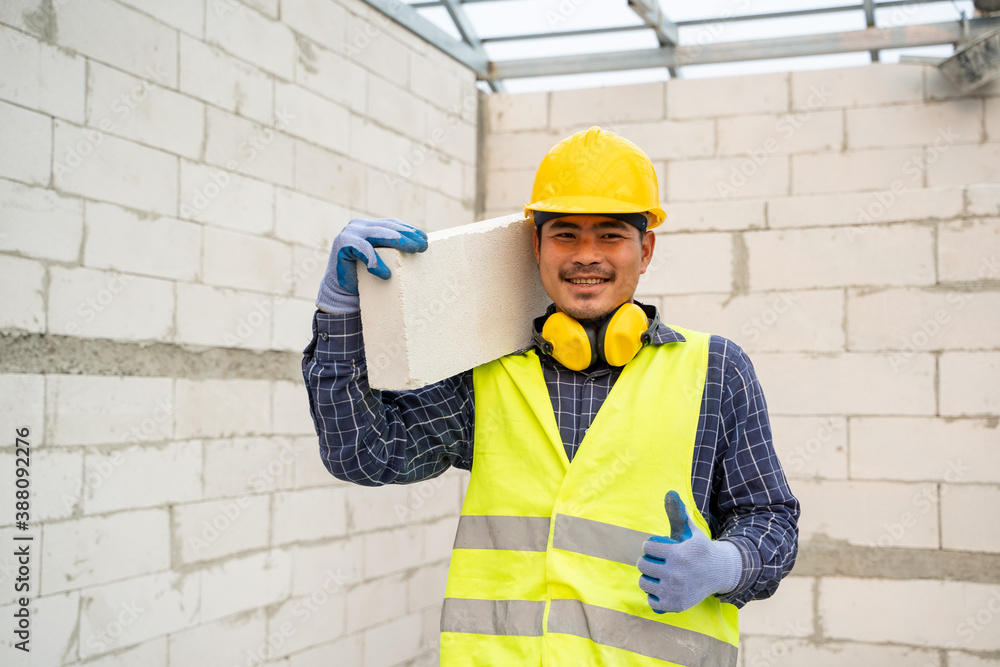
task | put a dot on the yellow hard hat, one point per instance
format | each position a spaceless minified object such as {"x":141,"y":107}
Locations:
{"x":596,"y":171}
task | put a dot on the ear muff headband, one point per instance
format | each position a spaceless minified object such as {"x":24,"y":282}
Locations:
{"x":617,"y":341}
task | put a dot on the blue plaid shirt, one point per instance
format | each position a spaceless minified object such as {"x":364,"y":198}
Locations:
{"x":373,"y":437}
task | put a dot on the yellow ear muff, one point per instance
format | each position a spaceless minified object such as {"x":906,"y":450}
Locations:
{"x":622,"y":336}
{"x":571,"y":344}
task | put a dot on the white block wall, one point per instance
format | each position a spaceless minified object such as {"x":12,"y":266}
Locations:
{"x":171,"y":176}
{"x":843,"y":227}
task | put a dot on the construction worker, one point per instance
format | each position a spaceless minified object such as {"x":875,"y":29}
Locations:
{"x":625,"y":498}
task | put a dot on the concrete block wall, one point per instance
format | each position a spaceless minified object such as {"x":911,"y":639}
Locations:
{"x":171,"y":176}
{"x":843,"y":226}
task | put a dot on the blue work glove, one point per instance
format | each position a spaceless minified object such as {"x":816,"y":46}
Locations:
{"x":680,"y":571}
{"x":338,"y":293}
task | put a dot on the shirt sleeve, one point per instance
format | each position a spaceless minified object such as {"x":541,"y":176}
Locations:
{"x":751,"y":499}
{"x":373,"y":437}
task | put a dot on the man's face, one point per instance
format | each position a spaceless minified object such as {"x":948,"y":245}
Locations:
{"x":591,"y":264}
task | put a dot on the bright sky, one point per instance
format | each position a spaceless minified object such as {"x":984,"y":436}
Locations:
{"x":516,"y":17}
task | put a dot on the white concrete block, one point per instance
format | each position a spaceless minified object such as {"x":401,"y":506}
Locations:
{"x":444,"y":212}
{"x":185,"y":15}
{"x":222,"y":408}
{"x":811,"y":447}
{"x":871,"y":85}
{"x":964,"y":523}
{"x":267,"y":7}
{"x":902,"y":204}
{"x":23,"y":294}
{"x":329,"y":566}
{"x":439,"y":537}
{"x":96,"y":165}
{"x":96,"y":410}
{"x":992,"y":116}
{"x":226,"y":199}
{"x":932,"y":449}
{"x":56,"y":478}
{"x":54,"y":630}
{"x":233,"y":259}
{"x":509,"y":191}
{"x":405,"y":317}
{"x":915,"y":125}
{"x":329,"y":175}
{"x":797,"y":132}
{"x":573,"y":110}
{"x":763,"y":175}
{"x":24,"y":402}
{"x":316,"y":120}
{"x":956,"y":659}
{"x":42,"y":77}
{"x":426,"y":587}
{"x":963,"y":164}
{"x":224,"y":642}
{"x":709,"y":216}
{"x":290,"y":407}
{"x":854,"y":383}
{"x":523,"y":111}
{"x":764,"y":321}
{"x":309,"y":468}
{"x":95,"y":550}
{"x":787,"y":652}
{"x":142,"y":110}
{"x":214,"y":76}
{"x":134,"y":610}
{"x":874,"y":514}
{"x":220,"y":528}
{"x":141,"y":45}
{"x":969,"y":251}
{"x":320,"y":20}
{"x":108,"y":304}
{"x":292,"y":323}
{"x":239,"y":319}
{"x":984,"y":200}
{"x":386,"y":196}
{"x":307,"y":621}
{"x":347,"y":651}
{"x":150,"y":654}
{"x":372,"y":603}
{"x":970,"y":383}
{"x":246,"y":34}
{"x":371,"y":43}
{"x":518,"y":150}
{"x":881,"y":611}
{"x":397,"y":108}
{"x":689,"y":264}
{"x":433,"y":82}
{"x":40,"y":223}
{"x":890,"y":169}
{"x":310,"y":222}
{"x":248,"y":465}
{"x":451,"y":135}
{"x":391,"y":551}
{"x":670,"y":140}
{"x":240,"y":145}
{"x":25,"y":145}
{"x":701,"y":98}
{"x":789,"y":613}
{"x":120,"y":239}
{"x":331,"y":75}
{"x":309,"y":266}
{"x":882,"y":255}
{"x":386,"y":149}
{"x":224,"y":589}
{"x":912,"y":320}
{"x":310,"y":514}
{"x":393,"y":642}
{"x":126,"y":482}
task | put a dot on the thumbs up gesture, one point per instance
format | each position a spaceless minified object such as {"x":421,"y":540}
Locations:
{"x":680,"y":571}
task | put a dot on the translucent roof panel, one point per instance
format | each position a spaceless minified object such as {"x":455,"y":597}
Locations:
{"x":552,"y":44}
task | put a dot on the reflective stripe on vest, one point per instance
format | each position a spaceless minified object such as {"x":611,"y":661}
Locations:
{"x":544,"y":565}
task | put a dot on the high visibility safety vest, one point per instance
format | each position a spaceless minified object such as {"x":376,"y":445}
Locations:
{"x":543,"y":571}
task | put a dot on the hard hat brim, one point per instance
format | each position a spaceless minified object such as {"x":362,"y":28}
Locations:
{"x":591,"y":204}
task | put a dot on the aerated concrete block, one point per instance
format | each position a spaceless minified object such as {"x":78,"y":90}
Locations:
{"x":469,"y":299}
